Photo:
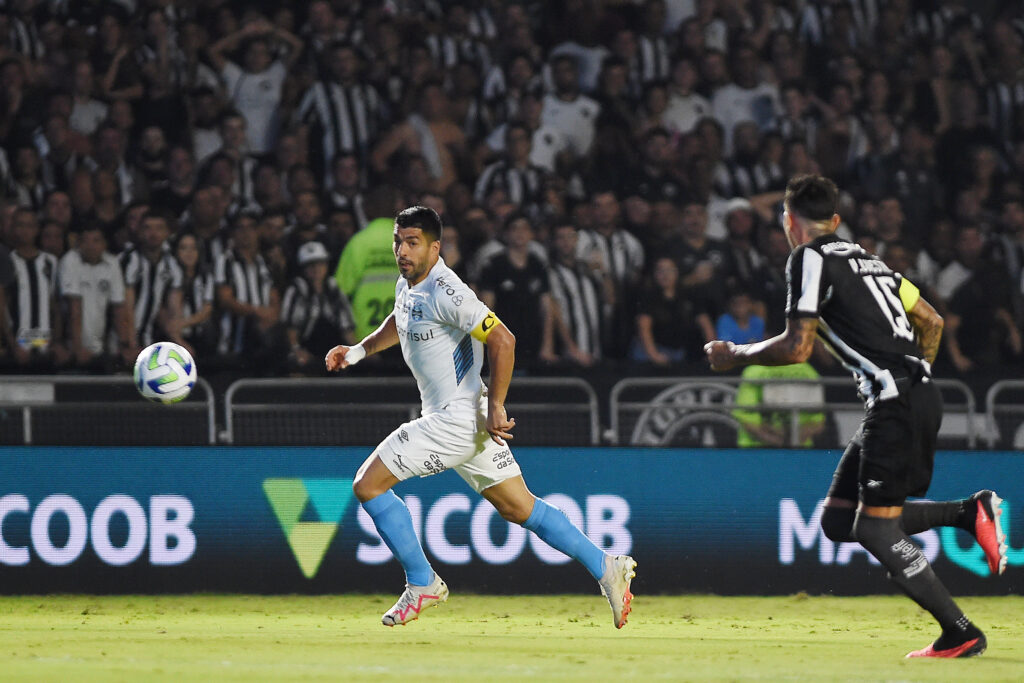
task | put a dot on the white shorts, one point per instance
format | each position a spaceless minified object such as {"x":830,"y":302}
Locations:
{"x":448,"y":440}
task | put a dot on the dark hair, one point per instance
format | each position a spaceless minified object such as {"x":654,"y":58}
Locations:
{"x":159,"y":214}
{"x":813,"y":197}
{"x":422,"y":217}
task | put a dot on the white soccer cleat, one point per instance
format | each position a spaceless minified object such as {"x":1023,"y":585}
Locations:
{"x":619,"y":572}
{"x":414,"y":600}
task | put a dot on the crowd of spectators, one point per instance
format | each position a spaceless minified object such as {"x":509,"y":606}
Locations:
{"x":609,"y":173}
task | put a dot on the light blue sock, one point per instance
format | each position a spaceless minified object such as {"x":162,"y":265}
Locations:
{"x":555,"y":529}
{"x":394,"y":524}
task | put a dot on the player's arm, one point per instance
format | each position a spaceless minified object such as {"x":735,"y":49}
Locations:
{"x":794,"y":345}
{"x":501,"y":354}
{"x":384,"y":337}
{"x":925,"y":320}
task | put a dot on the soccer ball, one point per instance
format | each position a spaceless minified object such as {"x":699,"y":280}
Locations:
{"x":165,"y":372}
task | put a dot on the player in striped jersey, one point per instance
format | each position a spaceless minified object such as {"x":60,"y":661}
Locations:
{"x":152,"y":280}
{"x":876,"y":323}
{"x":442,"y":328}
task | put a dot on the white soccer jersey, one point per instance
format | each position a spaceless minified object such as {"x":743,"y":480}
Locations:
{"x":434,"y":320}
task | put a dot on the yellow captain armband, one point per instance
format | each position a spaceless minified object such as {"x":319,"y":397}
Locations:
{"x":486,"y":326}
{"x":909,"y":294}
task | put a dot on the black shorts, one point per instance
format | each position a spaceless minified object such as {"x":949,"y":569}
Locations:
{"x":892,"y":454}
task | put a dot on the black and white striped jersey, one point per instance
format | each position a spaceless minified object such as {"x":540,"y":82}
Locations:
{"x":152,"y":282}
{"x":345,"y":119}
{"x":30,"y":300}
{"x":195,"y":295}
{"x":861,"y":306}
{"x":252,"y":283}
{"x":578,"y":297}
{"x":302,"y":308}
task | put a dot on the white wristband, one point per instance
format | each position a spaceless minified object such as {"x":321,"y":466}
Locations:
{"x":355,"y":354}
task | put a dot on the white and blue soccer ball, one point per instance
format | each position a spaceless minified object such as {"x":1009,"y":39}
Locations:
{"x":165,"y":372}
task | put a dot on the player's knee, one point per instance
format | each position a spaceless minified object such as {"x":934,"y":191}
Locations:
{"x":876,"y":532}
{"x":364,"y":489}
{"x":837,"y":524}
{"x":516,"y":511}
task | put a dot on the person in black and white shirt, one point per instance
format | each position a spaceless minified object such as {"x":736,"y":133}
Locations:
{"x":152,"y":281}
{"x":523,"y":182}
{"x":611,"y":250}
{"x":314,"y":311}
{"x":340,"y":111}
{"x":245,"y":293}
{"x":196,"y":325}
{"x":32,"y":298}
{"x":347,"y":190}
{"x":583,"y":299}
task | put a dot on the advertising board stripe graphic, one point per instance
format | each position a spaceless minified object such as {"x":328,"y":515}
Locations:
{"x":308,"y":540}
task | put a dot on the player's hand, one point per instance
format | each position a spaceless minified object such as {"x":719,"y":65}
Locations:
{"x":721,"y":355}
{"x":335,"y":358}
{"x":499,"y":425}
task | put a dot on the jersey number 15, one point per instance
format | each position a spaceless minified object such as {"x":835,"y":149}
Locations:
{"x":885,"y":291}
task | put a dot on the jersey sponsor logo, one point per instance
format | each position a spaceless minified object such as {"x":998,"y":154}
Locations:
{"x":422,"y":336}
{"x":457,"y":299}
{"x":403,"y":435}
{"x":447,"y":288}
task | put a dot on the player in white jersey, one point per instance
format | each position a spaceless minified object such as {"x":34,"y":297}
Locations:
{"x":443,"y":327}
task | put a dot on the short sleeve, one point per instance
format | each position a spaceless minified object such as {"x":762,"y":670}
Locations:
{"x":68,"y":276}
{"x":804,"y":279}
{"x":130,"y":265}
{"x":458,"y":306}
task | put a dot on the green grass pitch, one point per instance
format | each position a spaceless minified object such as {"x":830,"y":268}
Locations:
{"x":477,"y":638}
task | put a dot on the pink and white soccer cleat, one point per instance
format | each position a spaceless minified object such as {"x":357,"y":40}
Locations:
{"x":414,"y":600}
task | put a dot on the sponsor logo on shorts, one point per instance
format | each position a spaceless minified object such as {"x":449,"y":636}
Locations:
{"x":403,"y":435}
{"x":433,"y":464}
{"x":503,"y":459}
{"x":397,"y":460}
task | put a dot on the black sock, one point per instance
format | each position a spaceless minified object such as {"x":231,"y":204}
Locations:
{"x":961,"y":632}
{"x":922,"y":515}
{"x":909,"y":569}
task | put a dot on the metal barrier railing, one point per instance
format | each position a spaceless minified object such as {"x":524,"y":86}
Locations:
{"x":99,"y":410}
{"x":653,"y":418}
{"x":994,"y":411}
{"x":321,"y":410}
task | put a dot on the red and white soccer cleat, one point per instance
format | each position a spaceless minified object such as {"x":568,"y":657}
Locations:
{"x":988,"y":529}
{"x":619,"y":572}
{"x":972,"y":648}
{"x":414,"y":600}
